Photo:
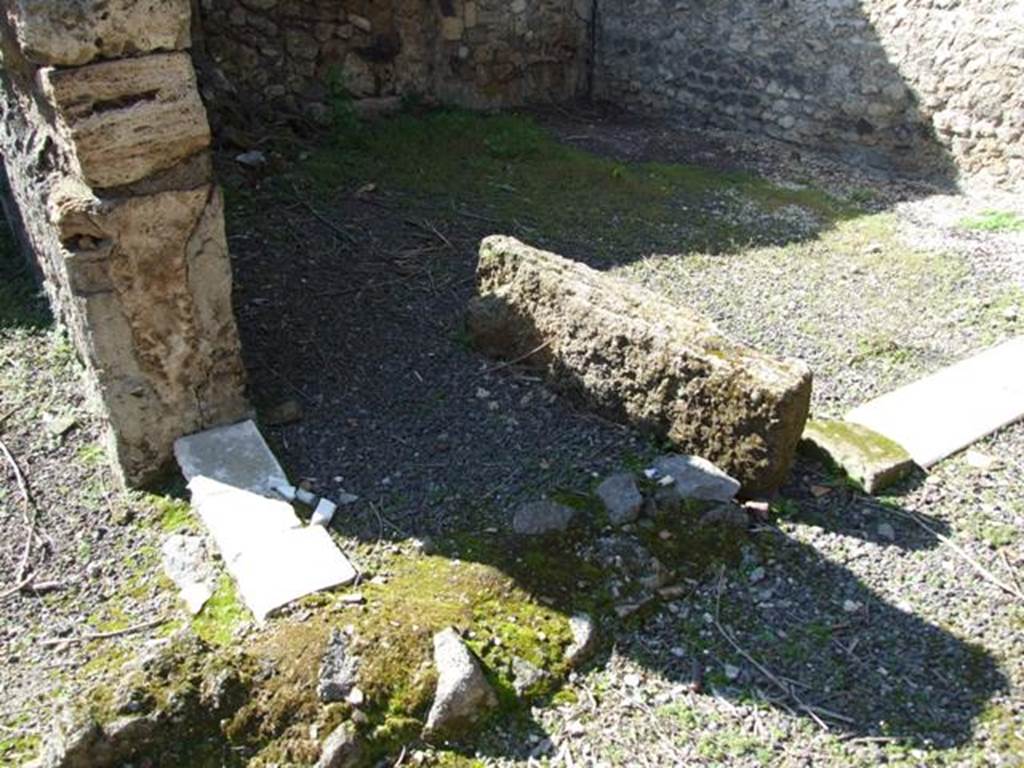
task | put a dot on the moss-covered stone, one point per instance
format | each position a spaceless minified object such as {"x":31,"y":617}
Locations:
{"x":870,"y":459}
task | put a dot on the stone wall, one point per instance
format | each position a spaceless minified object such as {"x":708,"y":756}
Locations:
{"x":105,"y":146}
{"x":286,"y":54}
{"x":919,"y":84}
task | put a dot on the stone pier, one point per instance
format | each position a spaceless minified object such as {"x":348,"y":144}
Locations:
{"x":106,"y":148}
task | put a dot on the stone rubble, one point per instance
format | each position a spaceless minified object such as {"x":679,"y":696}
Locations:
{"x":339,"y":669}
{"x":538,"y":518}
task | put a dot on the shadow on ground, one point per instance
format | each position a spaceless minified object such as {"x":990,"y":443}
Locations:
{"x":352,"y":275}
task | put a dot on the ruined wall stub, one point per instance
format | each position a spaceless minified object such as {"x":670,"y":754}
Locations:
{"x":105,"y":143}
{"x":922,"y":85}
{"x":286,"y":56}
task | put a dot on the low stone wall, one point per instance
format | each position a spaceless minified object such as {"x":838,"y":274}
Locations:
{"x":108,"y":167}
{"x":926,"y":85}
{"x":286,"y":55}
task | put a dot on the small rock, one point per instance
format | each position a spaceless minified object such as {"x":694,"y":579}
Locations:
{"x":584,"y":637}
{"x":187,"y":563}
{"x":463,"y":693}
{"x":338,"y":669}
{"x":673,"y":592}
{"x":356,"y":697}
{"x":288,"y":412}
{"x":251,"y":159}
{"x":342,"y":749}
{"x":725,"y":514}
{"x":540,"y":517}
{"x":354,"y":598}
{"x":731,"y":672}
{"x":820,"y":490}
{"x":697,"y":478}
{"x":981,"y":461}
{"x":1011,"y":313}
{"x":525,"y":675}
{"x":344,"y":498}
{"x":759,"y":510}
{"x":886,"y":532}
{"x":851,"y":606}
{"x":756,"y":575}
{"x":621,"y":498}
{"x":632,"y":680}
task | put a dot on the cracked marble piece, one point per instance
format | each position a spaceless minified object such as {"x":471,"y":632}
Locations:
{"x":272,"y":556}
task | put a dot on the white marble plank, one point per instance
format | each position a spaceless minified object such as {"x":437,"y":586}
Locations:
{"x":947,"y":411}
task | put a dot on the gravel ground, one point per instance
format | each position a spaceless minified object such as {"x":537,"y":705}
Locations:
{"x":854,"y":631}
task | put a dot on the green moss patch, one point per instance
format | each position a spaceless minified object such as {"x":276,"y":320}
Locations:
{"x":508,"y":167}
{"x":995,"y":221}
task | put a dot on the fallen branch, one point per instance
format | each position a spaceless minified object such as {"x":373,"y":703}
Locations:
{"x":31,"y":513}
{"x":814,"y":712}
{"x":51,"y":641}
{"x":517,"y":360}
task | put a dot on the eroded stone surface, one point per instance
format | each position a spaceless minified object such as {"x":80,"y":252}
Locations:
{"x":69,"y":33}
{"x":867,"y":457}
{"x":130,"y":118}
{"x":632,"y":356}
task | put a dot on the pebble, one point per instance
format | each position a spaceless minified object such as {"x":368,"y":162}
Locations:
{"x":851,"y":606}
{"x":731,"y":672}
{"x":886,"y":532}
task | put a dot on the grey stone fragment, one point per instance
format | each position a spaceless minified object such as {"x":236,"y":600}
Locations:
{"x":342,"y":749}
{"x":726,"y":514}
{"x":621,"y":498}
{"x":339,"y":669}
{"x":536,"y":518}
{"x":463,"y":694}
{"x":696,"y":478}
{"x":187,"y":563}
{"x":584,"y":638}
{"x":525,"y":675}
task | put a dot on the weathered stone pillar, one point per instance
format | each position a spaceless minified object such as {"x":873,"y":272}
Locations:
{"x":106,"y":147}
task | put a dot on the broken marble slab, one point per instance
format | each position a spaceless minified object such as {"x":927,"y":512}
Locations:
{"x":278,"y":570}
{"x":937,"y":416}
{"x":273,"y":558}
{"x":236,"y":455}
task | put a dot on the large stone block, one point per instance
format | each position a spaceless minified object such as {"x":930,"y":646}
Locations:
{"x":129,"y":119}
{"x":638,"y":359}
{"x":70,"y":33}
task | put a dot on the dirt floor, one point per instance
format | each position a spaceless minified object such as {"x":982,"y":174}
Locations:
{"x":847,"y":630}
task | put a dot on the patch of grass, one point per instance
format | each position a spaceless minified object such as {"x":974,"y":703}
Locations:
{"x":511,"y":169}
{"x":173,"y":515}
{"x":994,"y":221}
{"x":222,"y":614}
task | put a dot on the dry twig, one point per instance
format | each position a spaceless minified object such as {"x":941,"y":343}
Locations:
{"x":815,"y":713}
{"x":965,"y":556}
{"x":51,"y":641}
{"x":517,"y":360}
